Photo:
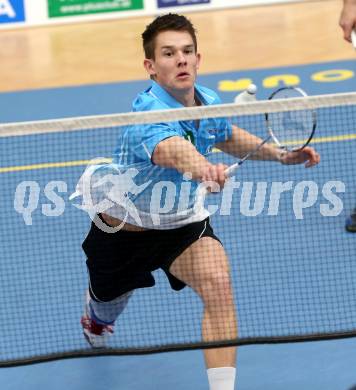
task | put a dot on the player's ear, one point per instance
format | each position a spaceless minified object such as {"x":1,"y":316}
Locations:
{"x":149,"y":66}
{"x":198,"y":60}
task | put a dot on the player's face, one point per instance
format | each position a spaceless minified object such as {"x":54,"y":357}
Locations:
{"x":176,"y":62}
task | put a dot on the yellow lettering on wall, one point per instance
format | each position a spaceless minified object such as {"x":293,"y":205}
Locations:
{"x":281,"y":80}
{"x":234,"y":85}
{"x":328,"y":76}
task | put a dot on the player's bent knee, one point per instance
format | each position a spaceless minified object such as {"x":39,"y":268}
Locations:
{"x":217,"y":289}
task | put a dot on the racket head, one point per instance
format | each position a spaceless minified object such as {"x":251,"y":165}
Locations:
{"x":291,"y":130}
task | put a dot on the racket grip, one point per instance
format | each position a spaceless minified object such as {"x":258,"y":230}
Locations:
{"x":232,"y":169}
{"x":353,"y":38}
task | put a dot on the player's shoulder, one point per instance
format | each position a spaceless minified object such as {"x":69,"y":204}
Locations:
{"x":147,"y":101}
{"x":207,"y":95}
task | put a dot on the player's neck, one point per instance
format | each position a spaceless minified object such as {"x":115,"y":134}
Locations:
{"x":186,"y":98}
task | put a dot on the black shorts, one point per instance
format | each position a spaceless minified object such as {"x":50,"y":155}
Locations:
{"x":123,"y":261}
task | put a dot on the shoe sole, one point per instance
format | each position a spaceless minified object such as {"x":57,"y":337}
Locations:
{"x":90,"y":343}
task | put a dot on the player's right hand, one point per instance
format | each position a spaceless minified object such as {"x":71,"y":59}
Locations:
{"x":212,"y":173}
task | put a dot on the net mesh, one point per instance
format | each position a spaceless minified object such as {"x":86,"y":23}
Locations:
{"x":292,"y":264}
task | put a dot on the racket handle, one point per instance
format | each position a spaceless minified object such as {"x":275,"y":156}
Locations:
{"x":232,"y":169}
{"x":353,"y":38}
{"x":202,"y":191}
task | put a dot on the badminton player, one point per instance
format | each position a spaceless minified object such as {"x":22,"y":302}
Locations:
{"x":184,"y":244}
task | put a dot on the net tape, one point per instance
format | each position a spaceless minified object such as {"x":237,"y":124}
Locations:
{"x":202,"y":112}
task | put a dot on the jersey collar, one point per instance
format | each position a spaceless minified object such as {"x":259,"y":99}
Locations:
{"x":160,"y":93}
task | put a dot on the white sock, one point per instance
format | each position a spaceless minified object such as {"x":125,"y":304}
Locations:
{"x":106,"y":312}
{"x":221,"y":378}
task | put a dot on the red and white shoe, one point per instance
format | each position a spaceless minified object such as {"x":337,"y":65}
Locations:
{"x":96,"y":334}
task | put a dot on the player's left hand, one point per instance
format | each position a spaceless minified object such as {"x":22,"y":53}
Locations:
{"x":308,"y":155}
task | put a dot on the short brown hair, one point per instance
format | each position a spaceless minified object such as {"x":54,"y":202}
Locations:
{"x":166,"y":23}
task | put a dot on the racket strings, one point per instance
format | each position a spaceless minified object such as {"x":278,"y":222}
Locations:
{"x":291,"y":129}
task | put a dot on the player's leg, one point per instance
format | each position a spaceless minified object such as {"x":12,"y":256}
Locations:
{"x":204,"y":267}
{"x":99,"y":318}
{"x":109,"y":289}
{"x":107,"y":312}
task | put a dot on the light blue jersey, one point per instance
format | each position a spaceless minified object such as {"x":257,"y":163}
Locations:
{"x":146,"y":194}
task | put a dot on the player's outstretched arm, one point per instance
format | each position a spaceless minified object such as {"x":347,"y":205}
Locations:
{"x":243,"y":142}
{"x":309,"y":156}
{"x":180,"y":154}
